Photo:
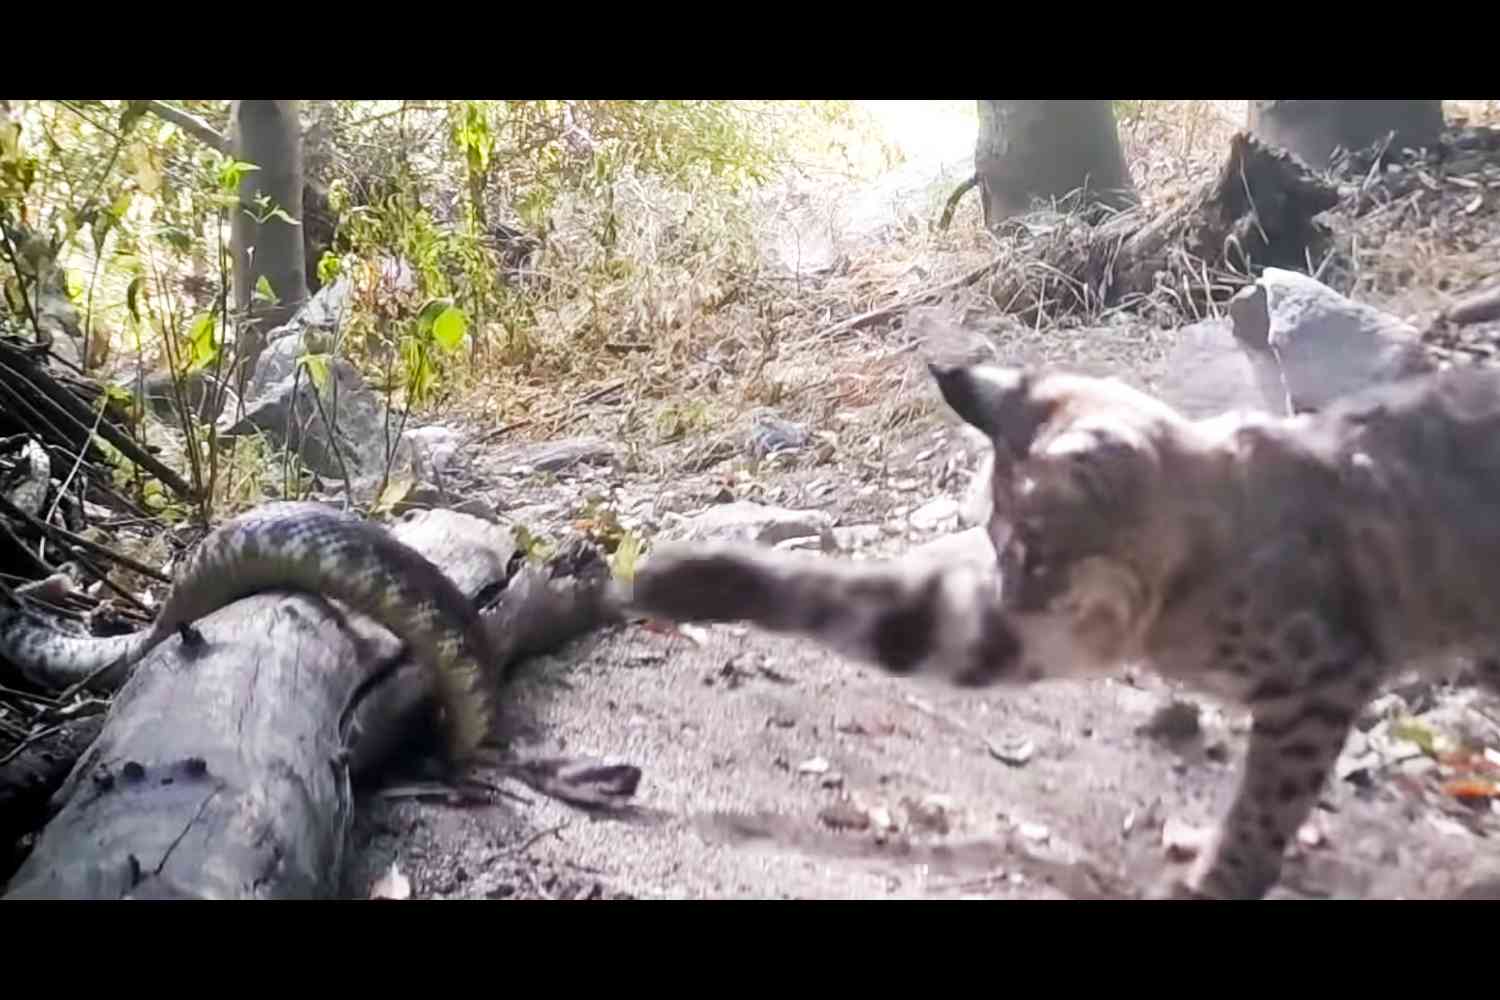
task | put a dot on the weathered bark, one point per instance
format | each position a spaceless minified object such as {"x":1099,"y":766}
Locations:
{"x":226,"y":770}
{"x":1030,"y":150}
{"x":1258,"y":211}
{"x":1312,"y":130}
{"x":267,"y":134}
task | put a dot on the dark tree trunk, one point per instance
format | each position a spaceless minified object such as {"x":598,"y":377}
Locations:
{"x":1312,"y":130}
{"x":267,"y":134}
{"x":1031,"y":150}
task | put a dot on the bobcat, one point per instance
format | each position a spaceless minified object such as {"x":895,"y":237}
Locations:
{"x":1286,"y":564}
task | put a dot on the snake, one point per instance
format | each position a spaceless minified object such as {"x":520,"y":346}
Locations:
{"x":298,"y":546}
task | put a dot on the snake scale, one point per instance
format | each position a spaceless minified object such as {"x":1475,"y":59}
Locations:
{"x":300,"y":546}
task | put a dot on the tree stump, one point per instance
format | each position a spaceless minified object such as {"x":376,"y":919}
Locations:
{"x":1258,"y":211}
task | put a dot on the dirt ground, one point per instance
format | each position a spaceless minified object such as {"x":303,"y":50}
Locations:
{"x":772,"y":768}
{"x":775,"y":769}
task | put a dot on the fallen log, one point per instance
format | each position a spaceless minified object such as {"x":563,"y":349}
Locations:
{"x":225,"y":769}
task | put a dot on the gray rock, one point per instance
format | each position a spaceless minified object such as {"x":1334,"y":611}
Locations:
{"x":770,"y":434}
{"x":556,"y":456}
{"x":971,"y":547}
{"x":1329,"y":345}
{"x":1291,"y":343}
{"x":856,"y":536}
{"x":282,"y":405}
{"x":753,"y":522}
{"x":428,"y":451}
{"x":1209,"y":372}
{"x":287,"y":413}
{"x":935,"y":514}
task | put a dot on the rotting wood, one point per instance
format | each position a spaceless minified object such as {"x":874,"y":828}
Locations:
{"x":1259,"y":210}
{"x":225,"y":770}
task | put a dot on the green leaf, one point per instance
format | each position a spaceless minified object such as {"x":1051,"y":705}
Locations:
{"x":201,"y":338}
{"x":627,"y":553}
{"x":420,"y":374}
{"x":449,"y":328}
{"x":329,"y":266}
{"x":132,"y":297}
{"x":178,"y":238}
{"x":1413,"y":731}
{"x":317,"y":370}
{"x":430,"y":313}
{"x":395,"y":491}
{"x":232,"y":172}
{"x":119,"y":394}
{"x":263,"y":290}
{"x":277,"y":213}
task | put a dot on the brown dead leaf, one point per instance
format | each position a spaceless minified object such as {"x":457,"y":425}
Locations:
{"x":1471,"y":788}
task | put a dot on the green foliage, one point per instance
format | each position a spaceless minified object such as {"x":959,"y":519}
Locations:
{"x":638,"y":211}
{"x":200,"y":338}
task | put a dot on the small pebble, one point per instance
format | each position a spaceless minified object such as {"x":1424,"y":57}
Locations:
{"x":813,"y":765}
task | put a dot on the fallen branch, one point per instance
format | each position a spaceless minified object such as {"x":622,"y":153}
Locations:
{"x":885,"y":312}
{"x":75,"y":418}
{"x":191,"y":124}
{"x":1479,"y":306}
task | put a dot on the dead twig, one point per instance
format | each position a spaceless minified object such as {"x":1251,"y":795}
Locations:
{"x":900,"y":306}
{"x":953,"y":199}
{"x":63,"y":535}
{"x":527,"y":844}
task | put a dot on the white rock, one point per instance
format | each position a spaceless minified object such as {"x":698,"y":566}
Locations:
{"x":935,"y":514}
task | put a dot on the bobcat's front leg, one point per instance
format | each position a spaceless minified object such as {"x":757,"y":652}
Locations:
{"x":905,"y":617}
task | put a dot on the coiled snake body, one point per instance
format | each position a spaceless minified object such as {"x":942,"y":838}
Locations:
{"x":292,"y":545}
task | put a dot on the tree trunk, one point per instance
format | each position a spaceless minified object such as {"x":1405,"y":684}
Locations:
{"x":221,"y":770}
{"x":267,"y":134}
{"x":1312,"y":130}
{"x":1047,"y":149}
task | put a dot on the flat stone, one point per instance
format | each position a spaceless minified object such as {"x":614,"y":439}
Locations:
{"x":935,"y":514}
{"x":744,"y":520}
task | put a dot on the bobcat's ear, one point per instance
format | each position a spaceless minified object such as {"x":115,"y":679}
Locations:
{"x":996,"y":400}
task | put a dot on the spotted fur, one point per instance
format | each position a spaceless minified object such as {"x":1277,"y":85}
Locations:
{"x":1289,"y":565}
{"x":301,"y":547}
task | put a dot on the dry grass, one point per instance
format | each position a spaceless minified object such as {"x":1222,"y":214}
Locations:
{"x":726,"y":333}
{"x":716,"y":362}
{"x":711,"y":307}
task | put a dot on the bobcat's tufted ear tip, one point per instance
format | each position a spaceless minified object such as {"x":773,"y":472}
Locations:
{"x":984,"y":396}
